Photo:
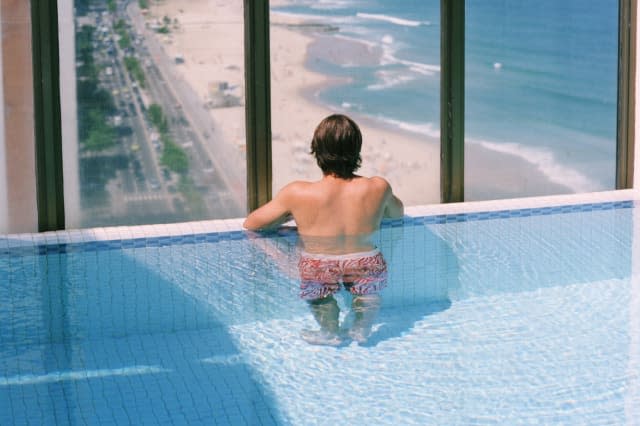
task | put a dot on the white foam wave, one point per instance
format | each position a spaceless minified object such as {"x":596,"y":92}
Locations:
{"x":330,"y":4}
{"x":389,"y":58}
{"x":546,"y":162}
{"x":308,"y":17}
{"x":392,"y":19}
{"x":390,"y":78}
{"x":426,"y":129}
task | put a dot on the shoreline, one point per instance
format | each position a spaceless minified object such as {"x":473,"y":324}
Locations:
{"x":499,"y":175}
{"x":409,"y":160}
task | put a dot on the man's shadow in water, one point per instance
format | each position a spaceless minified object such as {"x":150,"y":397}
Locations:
{"x":395,"y":324}
{"x":426,"y":290}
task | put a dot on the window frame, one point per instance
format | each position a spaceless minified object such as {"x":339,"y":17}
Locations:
{"x":625,"y":134}
{"x":47,"y":115}
{"x":46,"y":66}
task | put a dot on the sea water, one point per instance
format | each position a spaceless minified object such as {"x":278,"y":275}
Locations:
{"x":541,"y":77}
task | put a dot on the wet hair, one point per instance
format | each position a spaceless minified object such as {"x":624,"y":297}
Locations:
{"x":336,"y":145}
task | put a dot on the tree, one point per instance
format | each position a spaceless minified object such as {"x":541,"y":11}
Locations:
{"x":156,"y":115}
{"x":174,"y":157}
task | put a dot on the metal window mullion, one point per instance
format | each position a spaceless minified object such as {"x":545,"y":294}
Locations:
{"x":452,"y":101}
{"x":48,"y":135}
{"x":625,"y":145}
{"x":258,"y":102}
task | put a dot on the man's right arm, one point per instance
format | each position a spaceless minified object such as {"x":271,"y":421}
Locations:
{"x":394,"y":208}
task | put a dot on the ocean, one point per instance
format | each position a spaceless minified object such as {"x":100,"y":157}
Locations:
{"x":541,"y":77}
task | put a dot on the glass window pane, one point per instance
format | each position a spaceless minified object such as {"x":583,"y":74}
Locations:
{"x":376,"y":61}
{"x":541,"y":95}
{"x":154,"y":124}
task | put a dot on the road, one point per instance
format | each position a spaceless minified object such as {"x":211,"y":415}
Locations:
{"x":216,"y":165}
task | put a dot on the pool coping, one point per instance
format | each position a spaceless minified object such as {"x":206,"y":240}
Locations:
{"x":166,"y":234}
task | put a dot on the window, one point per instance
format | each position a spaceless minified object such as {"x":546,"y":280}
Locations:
{"x":152,"y":95}
{"x":540,"y":97}
{"x":376,"y":62}
{"x":154,"y":118}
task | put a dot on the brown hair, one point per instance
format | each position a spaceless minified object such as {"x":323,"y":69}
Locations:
{"x":336,"y":145}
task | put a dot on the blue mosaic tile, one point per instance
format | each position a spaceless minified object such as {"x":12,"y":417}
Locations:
{"x":236,"y":235}
{"x":290,"y":232}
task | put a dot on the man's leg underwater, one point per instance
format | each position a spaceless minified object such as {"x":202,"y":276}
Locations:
{"x":364,"y":307}
{"x":326,"y":313}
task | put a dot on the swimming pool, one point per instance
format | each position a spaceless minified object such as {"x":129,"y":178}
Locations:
{"x":510,"y":316}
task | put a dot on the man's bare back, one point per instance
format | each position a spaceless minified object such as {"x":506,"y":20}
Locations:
{"x":342,"y":204}
{"x":335,"y":208}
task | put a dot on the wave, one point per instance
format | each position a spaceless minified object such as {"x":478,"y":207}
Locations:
{"x":392,"y":19}
{"x":390,"y":78}
{"x":330,"y":4}
{"x":418,"y":67}
{"x":543,"y":159}
{"x":426,"y":129}
{"x":316,"y":18}
{"x":546,"y":163}
{"x":388,"y":58}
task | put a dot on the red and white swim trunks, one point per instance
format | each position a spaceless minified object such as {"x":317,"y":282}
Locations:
{"x":361,"y":273}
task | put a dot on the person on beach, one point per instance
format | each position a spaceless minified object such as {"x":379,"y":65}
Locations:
{"x":336,"y":217}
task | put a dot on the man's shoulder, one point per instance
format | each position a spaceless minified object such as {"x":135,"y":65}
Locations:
{"x":295,"y":188}
{"x":297,"y":185}
{"x":378,"y":180}
{"x":379,"y":183}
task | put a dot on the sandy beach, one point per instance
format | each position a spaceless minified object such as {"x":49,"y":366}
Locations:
{"x":208,"y":34}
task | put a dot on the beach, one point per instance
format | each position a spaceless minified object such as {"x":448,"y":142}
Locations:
{"x":208,"y":35}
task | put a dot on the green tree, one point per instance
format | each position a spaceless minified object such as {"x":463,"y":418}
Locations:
{"x":125,"y":41}
{"x":174,"y":157}
{"x":134,"y":68}
{"x":120,"y":25}
{"x":156,"y":115}
{"x":100,"y":135}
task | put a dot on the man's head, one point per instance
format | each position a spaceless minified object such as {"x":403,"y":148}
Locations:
{"x":336,"y":145}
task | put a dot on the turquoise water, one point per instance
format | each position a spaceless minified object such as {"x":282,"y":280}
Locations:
{"x":516,"y":317}
{"x":541,"y":77}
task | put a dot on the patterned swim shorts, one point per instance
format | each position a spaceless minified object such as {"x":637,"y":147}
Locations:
{"x":361,"y":273}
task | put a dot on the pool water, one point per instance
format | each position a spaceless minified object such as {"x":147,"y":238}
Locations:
{"x":513,"y":317}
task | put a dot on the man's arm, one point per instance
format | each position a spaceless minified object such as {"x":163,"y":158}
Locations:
{"x":394,"y":208}
{"x":270,"y":215}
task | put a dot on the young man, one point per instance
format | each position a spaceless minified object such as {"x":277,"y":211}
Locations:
{"x":341,"y":203}
{"x":335,"y":217}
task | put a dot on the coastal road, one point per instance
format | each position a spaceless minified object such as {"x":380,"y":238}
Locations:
{"x":227,"y":182}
